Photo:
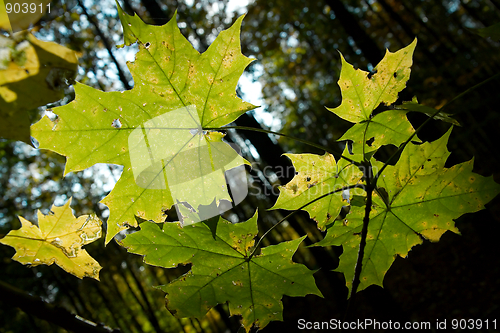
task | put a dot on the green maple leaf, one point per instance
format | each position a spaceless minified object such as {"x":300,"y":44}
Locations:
{"x":427,"y":110}
{"x":363,"y":92}
{"x":416,"y":200}
{"x":385,"y":128}
{"x":58,"y":239}
{"x":492,"y":31}
{"x":223,"y":269}
{"x":151,"y":128}
{"x":316,"y":176}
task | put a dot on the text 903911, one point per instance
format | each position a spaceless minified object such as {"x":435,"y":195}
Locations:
{"x":23,"y":14}
{"x":27,"y":8}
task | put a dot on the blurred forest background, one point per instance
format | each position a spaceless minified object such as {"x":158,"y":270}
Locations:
{"x":294,"y":78}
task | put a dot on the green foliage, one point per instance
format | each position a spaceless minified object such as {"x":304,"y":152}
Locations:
{"x":179,"y":97}
{"x":383,"y":129}
{"x":362,"y":92}
{"x":415,"y":200}
{"x":58,"y":239}
{"x":169,"y":75}
{"x":224,"y":269}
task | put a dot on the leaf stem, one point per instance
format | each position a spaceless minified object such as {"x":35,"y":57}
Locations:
{"x":309,"y":143}
{"x":295,"y":211}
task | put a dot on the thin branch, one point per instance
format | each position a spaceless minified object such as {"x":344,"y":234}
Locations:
{"x":362,"y":244}
{"x":371,"y":185}
{"x":309,"y":143}
{"x":150,"y":313}
{"x":35,"y":306}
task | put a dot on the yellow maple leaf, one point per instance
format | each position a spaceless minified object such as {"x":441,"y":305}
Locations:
{"x":59,"y":239}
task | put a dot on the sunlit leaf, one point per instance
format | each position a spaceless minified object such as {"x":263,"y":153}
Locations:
{"x":4,"y":18}
{"x":58,"y":239}
{"x":383,"y":129}
{"x":156,"y":130}
{"x":417,"y":199}
{"x":316,"y":176}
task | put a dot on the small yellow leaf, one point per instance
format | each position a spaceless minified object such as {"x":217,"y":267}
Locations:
{"x":363,"y":92}
{"x":58,"y":240}
{"x":178,"y":95}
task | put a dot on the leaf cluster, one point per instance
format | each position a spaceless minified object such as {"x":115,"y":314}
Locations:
{"x":165,"y":133}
